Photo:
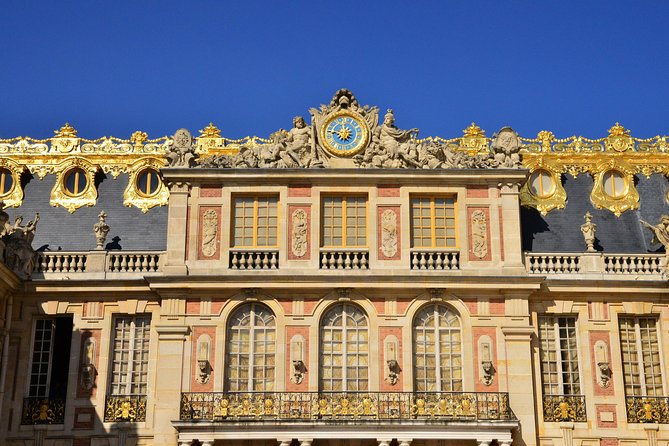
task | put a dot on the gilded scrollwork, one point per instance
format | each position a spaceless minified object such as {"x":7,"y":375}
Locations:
{"x":543,"y":170}
{"x":125,"y":408}
{"x":134,"y":196}
{"x":73,"y":199}
{"x":609,"y":176}
{"x":615,"y":158}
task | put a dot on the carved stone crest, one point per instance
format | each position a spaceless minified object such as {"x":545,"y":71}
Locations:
{"x":181,"y":153}
{"x":479,"y":234}
{"x":389,"y":233}
{"x":299,"y":235}
{"x":506,"y":145}
{"x":209,"y":233}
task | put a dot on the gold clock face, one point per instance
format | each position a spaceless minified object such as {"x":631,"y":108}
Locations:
{"x":344,"y":134}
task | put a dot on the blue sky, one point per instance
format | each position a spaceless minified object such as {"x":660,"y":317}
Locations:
{"x":115,"y":67}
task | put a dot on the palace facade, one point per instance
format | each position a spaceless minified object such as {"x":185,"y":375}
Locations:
{"x":342,"y":282}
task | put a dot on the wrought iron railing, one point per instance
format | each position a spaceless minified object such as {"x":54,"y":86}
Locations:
{"x":647,"y":409}
{"x":43,"y":411}
{"x":125,"y":408}
{"x":359,"y":406}
{"x":564,"y":408}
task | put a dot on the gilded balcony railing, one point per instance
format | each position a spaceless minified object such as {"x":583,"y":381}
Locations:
{"x":125,"y":408}
{"x":43,"y":411}
{"x":647,"y":409}
{"x":564,"y":408}
{"x":359,"y":406}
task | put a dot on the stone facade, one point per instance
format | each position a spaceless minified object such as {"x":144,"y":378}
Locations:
{"x":233,"y":334}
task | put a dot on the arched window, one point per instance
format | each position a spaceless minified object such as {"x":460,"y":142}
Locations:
{"x":344,"y":350}
{"x":437,"y":347}
{"x":250,"y":349}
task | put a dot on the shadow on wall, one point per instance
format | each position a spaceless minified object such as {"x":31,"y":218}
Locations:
{"x":60,"y":406}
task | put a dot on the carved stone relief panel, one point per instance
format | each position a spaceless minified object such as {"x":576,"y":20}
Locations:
{"x":209,"y":234}
{"x":389,"y":233}
{"x":479,"y":235}
{"x":299,"y":232}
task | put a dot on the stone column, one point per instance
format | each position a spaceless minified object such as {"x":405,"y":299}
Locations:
{"x":483,"y":442}
{"x":513,"y":249}
{"x":177,"y":215}
{"x":285,"y":442}
{"x":384,"y":442}
{"x":306,"y":442}
{"x":520,"y":379}
{"x":207,"y":442}
{"x":403,"y":442}
{"x":167,"y":394}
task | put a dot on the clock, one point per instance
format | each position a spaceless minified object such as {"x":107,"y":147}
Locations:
{"x":344,"y":133}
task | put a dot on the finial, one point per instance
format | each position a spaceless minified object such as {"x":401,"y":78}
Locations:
{"x":210,"y":131}
{"x":66,"y":131}
{"x":474,"y":130}
{"x":138,"y":138}
{"x":618,"y":130}
{"x":589,"y":229}
{"x":101,"y":229}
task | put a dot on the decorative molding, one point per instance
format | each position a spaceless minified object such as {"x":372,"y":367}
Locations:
{"x":479,"y":227}
{"x":299,"y":228}
{"x":389,"y":233}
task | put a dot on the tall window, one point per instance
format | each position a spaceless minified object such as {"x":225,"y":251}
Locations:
{"x":255,"y":222}
{"x":130,"y":356}
{"x":559,"y":356}
{"x":344,"y":350}
{"x":641,"y":356}
{"x":437,"y":338}
{"x":433,"y":222}
{"x":50,"y":359}
{"x":344,"y":222}
{"x":251,"y":348}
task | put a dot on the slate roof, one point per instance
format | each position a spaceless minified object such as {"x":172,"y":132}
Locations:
{"x":60,"y":230}
{"x":559,"y":230}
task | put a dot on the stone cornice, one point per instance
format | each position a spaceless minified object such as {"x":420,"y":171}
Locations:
{"x":344,"y":176}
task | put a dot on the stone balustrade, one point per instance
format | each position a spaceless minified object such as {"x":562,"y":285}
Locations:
{"x":55,"y":263}
{"x":435,"y":259}
{"x":344,"y":259}
{"x":648,"y":266}
{"x":254,"y":259}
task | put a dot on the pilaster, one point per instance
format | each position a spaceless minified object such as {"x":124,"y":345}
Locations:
{"x":177,"y":215}
{"x":519,"y":376}
{"x":167,"y":394}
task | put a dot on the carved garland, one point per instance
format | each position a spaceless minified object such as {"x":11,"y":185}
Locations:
{"x":389,"y":233}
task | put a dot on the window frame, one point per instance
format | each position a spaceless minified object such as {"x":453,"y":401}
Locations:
{"x":436,"y":329}
{"x":344,"y":352}
{"x":129,"y":384}
{"x":639,"y":356}
{"x":255,"y":197}
{"x":560,"y":361}
{"x":344,"y":227}
{"x":433,"y":218}
{"x":47,"y":384}
{"x":252,"y":329}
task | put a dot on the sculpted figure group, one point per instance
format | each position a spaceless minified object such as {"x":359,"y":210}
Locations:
{"x":286,"y":150}
{"x":389,"y":146}
{"x":16,"y":243}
